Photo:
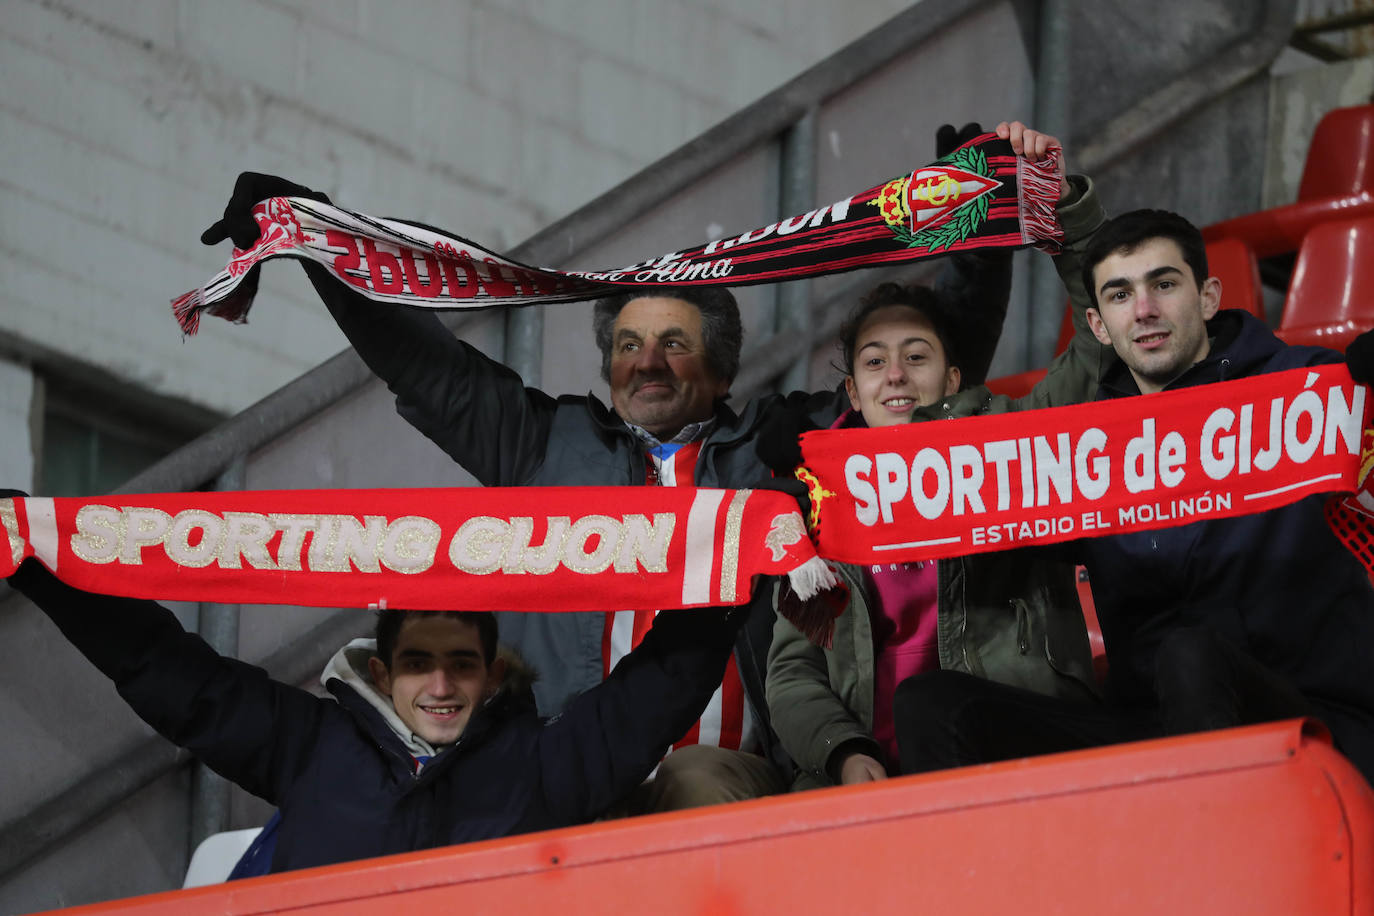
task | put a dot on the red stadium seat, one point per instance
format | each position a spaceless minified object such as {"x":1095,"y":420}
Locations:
{"x":1233,"y":263}
{"x":1016,"y":386}
{"x":1331,"y":296}
{"x":1096,"y":645}
{"x":1340,"y":160}
{"x":1337,"y":183}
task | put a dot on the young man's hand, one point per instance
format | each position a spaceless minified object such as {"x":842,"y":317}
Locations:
{"x":861,"y":768}
{"x":1034,"y":145}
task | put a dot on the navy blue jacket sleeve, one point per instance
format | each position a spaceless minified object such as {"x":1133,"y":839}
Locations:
{"x":250,"y":729}
{"x":611,"y":737}
{"x":474,"y":408}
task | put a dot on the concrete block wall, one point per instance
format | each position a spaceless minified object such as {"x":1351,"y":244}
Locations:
{"x":16,"y":446}
{"x":124,"y":124}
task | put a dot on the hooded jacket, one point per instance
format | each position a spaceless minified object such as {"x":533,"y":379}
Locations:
{"x":349,"y":668}
{"x":345,"y":781}
{"x":1277,"y":584}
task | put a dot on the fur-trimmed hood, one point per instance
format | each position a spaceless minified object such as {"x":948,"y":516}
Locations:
{"x":349,"y":665}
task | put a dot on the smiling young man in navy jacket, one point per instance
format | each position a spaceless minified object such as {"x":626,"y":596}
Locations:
{"x":1216,"y":623}
{"x":426,"y":742}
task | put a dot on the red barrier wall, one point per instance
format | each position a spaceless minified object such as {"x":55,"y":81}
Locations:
{"x":1265,"y":819}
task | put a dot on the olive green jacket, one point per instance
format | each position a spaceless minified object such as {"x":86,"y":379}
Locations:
{"x":1011,"y":616}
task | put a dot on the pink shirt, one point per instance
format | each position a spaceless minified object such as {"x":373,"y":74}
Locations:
{"x":905,"y":638}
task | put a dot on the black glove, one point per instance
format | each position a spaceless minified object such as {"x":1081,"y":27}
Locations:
{"x":778,"y":446}
{"x":947,"y":139}
{"x":238,"y":224}
{"x":1359,"y":356}
{"x":792,"y":487}
{"x":778,"y":442}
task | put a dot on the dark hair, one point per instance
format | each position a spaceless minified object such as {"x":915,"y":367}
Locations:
{"x":1129,"y":231}
{"x":390,"y":620}
{"x":721,"y":332}
{"x":921,"y":299}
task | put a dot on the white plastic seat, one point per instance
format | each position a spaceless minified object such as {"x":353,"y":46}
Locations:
{"x":217,"y":855}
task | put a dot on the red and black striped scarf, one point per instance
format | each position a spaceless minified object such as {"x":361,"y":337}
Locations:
{"x":980,"y":196}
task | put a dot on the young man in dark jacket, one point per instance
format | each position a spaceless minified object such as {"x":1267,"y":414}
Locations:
{"x":1207,"y":625}
{"x":431,"y":749}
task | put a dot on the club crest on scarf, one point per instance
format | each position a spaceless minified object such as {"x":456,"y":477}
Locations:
{"x":815,"y":493}
{"x":1366,"y":455}
{"x":1351,"y":516}
{"x":786,"y":530}
{"x":939,"y":205}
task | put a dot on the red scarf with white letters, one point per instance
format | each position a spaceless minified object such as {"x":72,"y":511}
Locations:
{"x":987,"y":483}
{"x":896,"y":494}
{"x":481,"y":548}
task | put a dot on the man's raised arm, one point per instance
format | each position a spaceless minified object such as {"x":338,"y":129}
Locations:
{"x":474,"y":408}
{"x":229,"y":714}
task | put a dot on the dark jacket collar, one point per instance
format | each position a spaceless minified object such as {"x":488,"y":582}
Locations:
{"x":729,"y":427}
{"x":1241,"y":345}
{"x":969,"y":402}
{"x":501,"y":706}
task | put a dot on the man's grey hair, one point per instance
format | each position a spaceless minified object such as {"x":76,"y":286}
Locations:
{"x":722,"y":335}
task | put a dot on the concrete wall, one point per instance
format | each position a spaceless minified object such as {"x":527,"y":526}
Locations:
{"x":1208,"y":167}
{"x":124,"y":125}
{"x":16,"y":446}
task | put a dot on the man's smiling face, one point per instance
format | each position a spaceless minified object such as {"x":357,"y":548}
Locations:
{"x":660,"y":377}
{"x":438,"y":675}
{"x":1153,"y":311}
